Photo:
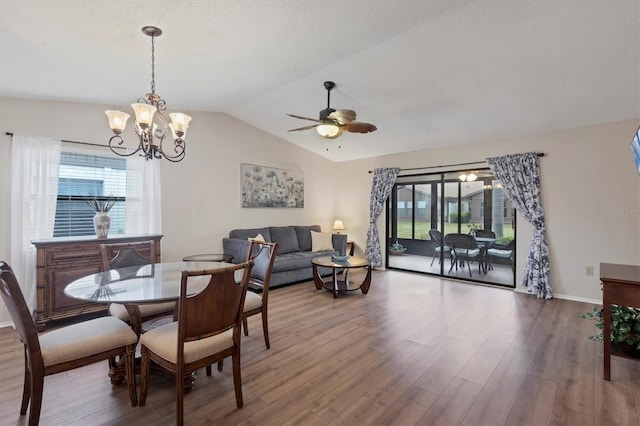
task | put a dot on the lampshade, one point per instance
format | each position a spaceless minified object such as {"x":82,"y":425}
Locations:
{"x":180,"y":123}
{"x":144,"y":114}
{"x":338,"y":225}
{"x":117,"y":120}
{"x":328,"y":130}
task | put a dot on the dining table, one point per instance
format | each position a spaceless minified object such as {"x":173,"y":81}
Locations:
{"x":138,"y":285}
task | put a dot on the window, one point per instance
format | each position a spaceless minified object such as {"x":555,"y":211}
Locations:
{"x":84,"y":177}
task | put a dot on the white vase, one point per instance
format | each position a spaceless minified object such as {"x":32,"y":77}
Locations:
{"x":102,"y":223}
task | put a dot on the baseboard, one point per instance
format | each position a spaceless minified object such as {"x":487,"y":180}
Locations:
{"x":564,"y":297}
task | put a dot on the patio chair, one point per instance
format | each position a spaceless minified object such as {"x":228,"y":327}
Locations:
{"x":501,"y":251}
{"x":440,"y":249}
{"x":464,"y":248}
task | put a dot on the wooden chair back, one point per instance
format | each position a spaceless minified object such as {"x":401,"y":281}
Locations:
{"x":123,"y":255}
{"x":215,"y":309}
{"x":22,"y":319}
{"x":263,"y":255}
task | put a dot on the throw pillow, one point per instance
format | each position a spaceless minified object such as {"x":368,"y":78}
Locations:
{"x":258,"y":237}
{"x":321,"y":241}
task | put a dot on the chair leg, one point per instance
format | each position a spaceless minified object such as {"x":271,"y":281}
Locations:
{"x":265,"y":327}
{"x":245,"y":326}
{"x":208,"y":370}
{"x":434,"y":258}
{"x":144,"y":377}
{"x":129,"y":363}
{"x":180,"y":396}
{"x":26,"y":389}
{"x":469,"y":267}
{"x":220,"y":365}
{"x":37,"y":385}
{"x":237,"y":381}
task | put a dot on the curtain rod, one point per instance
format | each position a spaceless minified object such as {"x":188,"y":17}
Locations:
{"x":76,"y":142}
{"x":540,"y":154}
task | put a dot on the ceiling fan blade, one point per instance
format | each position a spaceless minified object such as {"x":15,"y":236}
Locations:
{"x":359,"y":127}
{"x":303,"y":128}
{"x":303,"y":118}
{"x":343,"y":116}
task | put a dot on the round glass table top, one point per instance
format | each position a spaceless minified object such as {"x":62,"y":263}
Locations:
{"x":142,"y":284}
{"x":352,"y":262}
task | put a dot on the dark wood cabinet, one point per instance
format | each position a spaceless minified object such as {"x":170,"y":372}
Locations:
{"x":60,"y":261}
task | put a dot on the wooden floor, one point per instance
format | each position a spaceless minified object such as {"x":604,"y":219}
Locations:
{"x":415,"y":350}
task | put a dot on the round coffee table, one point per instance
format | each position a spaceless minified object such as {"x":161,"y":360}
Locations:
{"x":334,"y":285}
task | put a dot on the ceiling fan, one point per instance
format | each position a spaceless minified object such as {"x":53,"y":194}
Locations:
{"x":333,"y":122}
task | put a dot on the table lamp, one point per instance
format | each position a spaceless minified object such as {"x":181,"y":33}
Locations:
{"x":338,"y":226}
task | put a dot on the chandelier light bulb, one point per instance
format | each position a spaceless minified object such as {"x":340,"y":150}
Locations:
{"x":471,"y":177}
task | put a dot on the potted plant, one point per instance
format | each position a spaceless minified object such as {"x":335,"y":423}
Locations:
{"x":397,"y":249}
{"x":101,"y":220}
{"x":625,"y":327}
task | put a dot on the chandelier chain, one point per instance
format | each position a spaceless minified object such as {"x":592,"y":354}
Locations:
{"x":153,"y":65}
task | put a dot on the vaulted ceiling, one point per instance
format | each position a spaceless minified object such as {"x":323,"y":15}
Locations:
{"x":427,"y":73}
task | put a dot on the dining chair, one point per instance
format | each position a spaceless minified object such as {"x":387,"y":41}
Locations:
{"x":207,"y":331}
{"x":64,"y":348}
{"x":439,"y":249}
{"x":263,"y":255}
{"x":464,"y":249}
{"x":123,"y":255}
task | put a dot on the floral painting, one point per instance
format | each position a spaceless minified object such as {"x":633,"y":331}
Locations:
{"x":269,"y":187}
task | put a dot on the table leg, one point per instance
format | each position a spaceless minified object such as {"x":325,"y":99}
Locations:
{"x":606,"y":333}
{"x":317,"y":279}
{"x":335,"y":282}
{"x":367,"y":281}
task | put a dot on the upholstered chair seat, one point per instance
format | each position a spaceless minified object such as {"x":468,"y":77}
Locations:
{"x":149,"y":310}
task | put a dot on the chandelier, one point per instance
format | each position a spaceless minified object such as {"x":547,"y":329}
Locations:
{"x":151,"y":125}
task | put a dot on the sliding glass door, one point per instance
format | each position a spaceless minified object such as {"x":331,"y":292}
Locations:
{"x":454,"y":224}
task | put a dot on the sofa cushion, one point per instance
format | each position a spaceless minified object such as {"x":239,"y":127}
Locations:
{"x":286,"y":238}
{"x":304,"y":236}
{"x":299,"y":260}
{"x":321,"y":241}
{"x":245,"y":234}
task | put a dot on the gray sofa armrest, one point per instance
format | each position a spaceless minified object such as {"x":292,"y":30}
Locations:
{"x":340,"y":243}
{"x":237,"y":248}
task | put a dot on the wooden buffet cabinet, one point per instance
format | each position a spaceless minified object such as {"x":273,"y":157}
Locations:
{"x":60,"y":261}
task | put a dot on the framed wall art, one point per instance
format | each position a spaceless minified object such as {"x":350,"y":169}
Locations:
{"x":270,"y":187}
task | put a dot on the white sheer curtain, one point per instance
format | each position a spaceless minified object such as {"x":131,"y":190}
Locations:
{"x":143,"y":208}
{"x":35,"y":162}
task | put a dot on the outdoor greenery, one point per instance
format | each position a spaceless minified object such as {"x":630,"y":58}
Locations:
{"x":422,"y":230}
{"x":625,"y":324}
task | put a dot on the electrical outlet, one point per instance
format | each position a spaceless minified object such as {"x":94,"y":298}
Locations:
{"x":588,"y":271}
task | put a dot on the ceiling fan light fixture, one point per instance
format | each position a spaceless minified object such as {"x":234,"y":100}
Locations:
{"x":328,"y":130}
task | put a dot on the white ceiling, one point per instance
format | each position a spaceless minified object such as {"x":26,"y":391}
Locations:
{"x":427,"y":73}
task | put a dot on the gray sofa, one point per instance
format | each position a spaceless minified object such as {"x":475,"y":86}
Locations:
{"x":293,"y":258}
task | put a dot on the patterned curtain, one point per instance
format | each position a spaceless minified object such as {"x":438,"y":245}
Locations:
{"x":520,"y":178}
{"x":383,"y":180}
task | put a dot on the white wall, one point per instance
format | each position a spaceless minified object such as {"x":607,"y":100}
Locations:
{"x":590,"y":188}
{"x":590,"y":193}
{"x":201,"y":194}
